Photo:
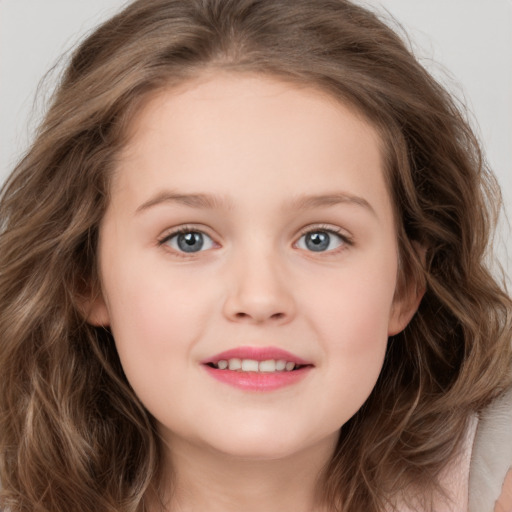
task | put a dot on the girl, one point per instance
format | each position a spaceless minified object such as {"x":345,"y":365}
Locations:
{"x":243,"y":267}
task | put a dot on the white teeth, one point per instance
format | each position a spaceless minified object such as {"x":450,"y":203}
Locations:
{"x":267,"y":366}
{"x":251,"y":365}
{"x":280,"y":365}
{"x":235,"y":364}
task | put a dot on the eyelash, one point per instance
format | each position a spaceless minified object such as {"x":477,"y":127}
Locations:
{"x":346,"y":240}
{"x":324,"y":228}
{"x":182,"y":230}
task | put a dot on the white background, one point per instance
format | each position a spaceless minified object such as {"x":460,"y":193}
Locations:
{"x":467,"y":44}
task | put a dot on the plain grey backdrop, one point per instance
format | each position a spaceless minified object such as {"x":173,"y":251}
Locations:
{"x":466,"y":44}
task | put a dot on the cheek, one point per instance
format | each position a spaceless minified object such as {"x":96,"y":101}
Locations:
{"x":351,"y":317}
{"x":155,"y":324}
{"x":354,"y":334}
{"x":353,"y":308}
{"x":353,"y":364}
{"x":154,"y":334}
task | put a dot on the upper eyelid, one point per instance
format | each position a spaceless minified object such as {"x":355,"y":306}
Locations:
{"x":326,"y":227}
{"x":163,"y":241}
{"x":346,"y":238}
{"x":186,"y":228}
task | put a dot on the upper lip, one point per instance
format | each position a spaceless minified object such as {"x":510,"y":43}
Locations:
{"x":257,"y":354}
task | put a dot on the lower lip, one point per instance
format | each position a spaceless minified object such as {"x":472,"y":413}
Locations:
{"x":258,"y":381}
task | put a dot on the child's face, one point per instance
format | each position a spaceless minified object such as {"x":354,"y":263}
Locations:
{"x":287,"y":242}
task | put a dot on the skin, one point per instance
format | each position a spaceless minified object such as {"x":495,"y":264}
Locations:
{"x":504,"y":502}
{"x":256,"y":147}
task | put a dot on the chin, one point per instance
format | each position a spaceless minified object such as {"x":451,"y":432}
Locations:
{"x":266,"y":444}
{"x":259,"y":451}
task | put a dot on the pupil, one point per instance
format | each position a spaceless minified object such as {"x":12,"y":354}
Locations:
{"x":318,"y":241}
{"x":190,"y":242}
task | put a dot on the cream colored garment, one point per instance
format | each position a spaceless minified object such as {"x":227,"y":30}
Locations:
{"x":454,"y":479}
{"x":492,"y":454}
{"x":474,"y":480}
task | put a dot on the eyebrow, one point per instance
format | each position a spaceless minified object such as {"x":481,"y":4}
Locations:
{"x":305,"y":202}
{"x":210,"y":201}
{"x":202,"y":201}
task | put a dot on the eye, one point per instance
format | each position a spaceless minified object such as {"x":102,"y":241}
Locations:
{"x":188,"y":241}
{"x":321,"y":240}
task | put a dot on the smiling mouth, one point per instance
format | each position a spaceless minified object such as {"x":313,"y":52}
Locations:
{"x":252,"y":365}
{"x":257,"y":369}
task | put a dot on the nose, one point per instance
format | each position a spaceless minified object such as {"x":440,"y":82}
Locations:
{"x":258,"y":292}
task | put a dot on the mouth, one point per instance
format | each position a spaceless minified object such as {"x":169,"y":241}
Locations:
{"x":252,"y":365}
{"x":257,"y":368}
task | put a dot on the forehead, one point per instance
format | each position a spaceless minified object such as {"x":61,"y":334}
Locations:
{"x":232,"y":94}
{"x":231,"y":129}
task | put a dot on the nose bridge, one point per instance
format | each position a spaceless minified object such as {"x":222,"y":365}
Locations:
{"x":258,"y":290}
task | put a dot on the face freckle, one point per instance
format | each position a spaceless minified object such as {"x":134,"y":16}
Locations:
{"x":250,"y":220}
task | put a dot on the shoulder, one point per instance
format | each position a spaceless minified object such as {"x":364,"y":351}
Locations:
{"x":491,"y":460}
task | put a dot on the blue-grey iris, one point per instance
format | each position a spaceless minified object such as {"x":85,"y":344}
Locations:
{"x":190,"y":242}
{"x":317,"y":241}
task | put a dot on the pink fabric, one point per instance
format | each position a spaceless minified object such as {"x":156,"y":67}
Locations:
{"x":455,"y":478}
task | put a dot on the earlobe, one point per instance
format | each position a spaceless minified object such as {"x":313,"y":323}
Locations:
{"x":95,"y":311}
{"x":98,"y":314}
{"x":405,"y":307}
{"x":403,"y":310}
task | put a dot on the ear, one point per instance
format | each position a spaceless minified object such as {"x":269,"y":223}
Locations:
{"x":405,"y":306}
{"x":403,"y":310}
{"x":98,"y":313}
{"x":94,"y":309}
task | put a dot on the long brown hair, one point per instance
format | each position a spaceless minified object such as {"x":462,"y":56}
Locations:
{"x":73,"y":436}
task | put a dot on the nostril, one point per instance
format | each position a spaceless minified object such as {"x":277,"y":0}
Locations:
{"x":243,"y":316}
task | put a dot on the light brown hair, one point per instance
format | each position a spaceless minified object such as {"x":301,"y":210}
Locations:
{"x":73,"y":436}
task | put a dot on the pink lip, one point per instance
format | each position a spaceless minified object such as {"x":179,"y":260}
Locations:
{"x":256,"y":353}
{"x":257,"y":381}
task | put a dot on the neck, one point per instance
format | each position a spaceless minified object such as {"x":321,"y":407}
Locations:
{"x":206,"y":480}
